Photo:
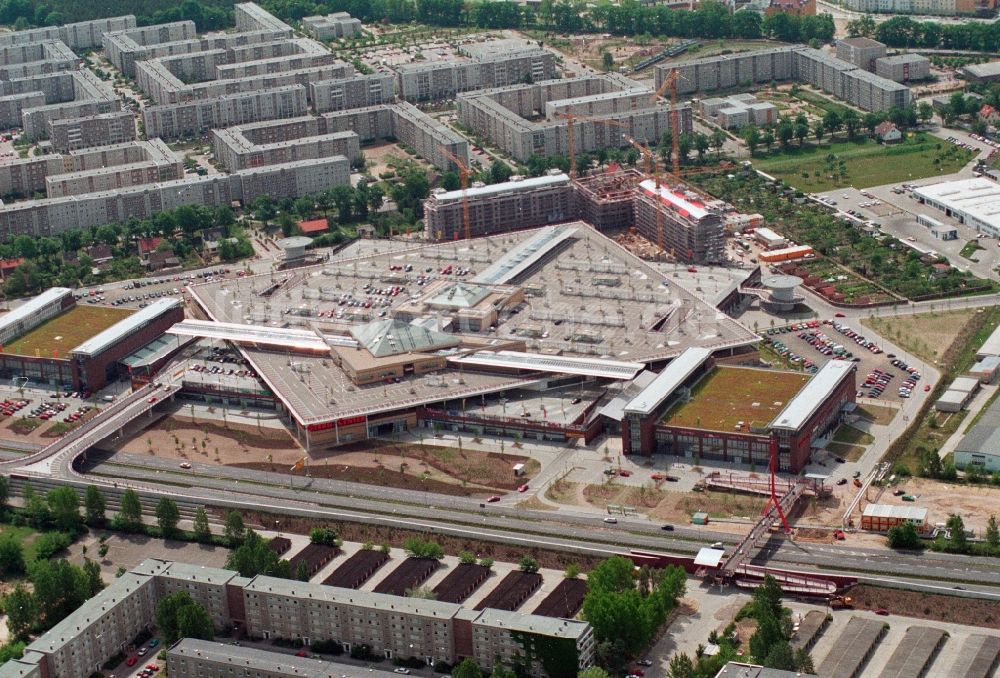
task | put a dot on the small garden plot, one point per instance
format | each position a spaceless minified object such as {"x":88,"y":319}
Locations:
{"x":565,"y":600}
{"x":512,"y":591}
{"x":280,"y":545}
{"x":410,"y":574}
{"x":461,"y":582}
{"x":358,"y":569}
{"x":315,"y":556}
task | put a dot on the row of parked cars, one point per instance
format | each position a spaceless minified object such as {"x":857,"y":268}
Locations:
{"x":825,"y":345}
{"x":781,"y":349}
{"x":9,"y":407}
{"x":857,"y":337}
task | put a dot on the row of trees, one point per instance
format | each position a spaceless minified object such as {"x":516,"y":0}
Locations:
{"x":64,"y":261}
{"x":626,"y":608}
{"x":902,"y":31}
{"x":849,"y":121}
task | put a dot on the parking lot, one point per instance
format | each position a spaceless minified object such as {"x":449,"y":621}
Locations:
{"x":813,"y":343}
{"x":140,"y":292}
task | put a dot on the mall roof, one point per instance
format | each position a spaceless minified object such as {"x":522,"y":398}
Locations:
{"x":155,"y":350}
{"x":459,"y":295}
{"x":978,"y":198}
{"x":984,"y":438}
{"x":524,"y":254}
{"x":591,"y":367}
{"x":104,"y":340}
{"x":672,"y":376}
{"x":505,"y":187}
{"x":813,"y":394}
{"x":389,"y":337}
{"x":33,"y":305}
{"x":277,"y":337}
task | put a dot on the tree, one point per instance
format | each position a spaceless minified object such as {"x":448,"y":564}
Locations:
{"x":167,"y":516}
{"x":4,"y":492}
{"x":751,"y":135}
{"x":179,"y":616}
{"x":302,"y":571}
{"x":681,"y":666}
{"x":956,"y":527}
{"x":500,"y":172}
{"x":93,"y":507}
{"x":614,"y":574}
{"x":11,"y":557}
{"x":862,"y":27}
{"x":780,"y":657}
{"x":21,"y":611}
{"x":818,"y":131}
{"x":608,"y":61}
{"x":701,"y":144}
{"x":466,"y":558}
{"x":466,"y":669}
{"x":992,"y":533}
{"x":450,"y":181}
{"x":597,"y":671}
{"x":234,"y":530}
{"x":785,"y":133}
{"x":253,"y":557}
{"x":64,"y":507}
{"x":528,"y":564}
{"x":925,"y":112}
{"x":202,"y":532}
{"x":831,"y":122}
{"x":801,"y":132}
{"x":92,"y":572}
{"x":903,"y":536}
{"x":130,"y":514}
{"x":324,"y":535}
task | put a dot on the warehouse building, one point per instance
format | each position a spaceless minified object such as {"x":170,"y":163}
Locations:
{"x":492,"y":64}
{"x":988,"y":72}
{"x":883,"y":517}
{"x":973,"y":202}
{"x":903,"y":67}
{"x":838,"y":77}
{"x":980,"y":447}
{"x":263,"y":607}
{"x":498,"y":208}
{"x":69,"y":134}
{"x":677,"y":221}
{"x":332,"y":26}
{"x":862,"y":52}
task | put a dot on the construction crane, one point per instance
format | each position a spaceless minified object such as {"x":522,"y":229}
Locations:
{"x":463,"y":176}
{"x":675,"y":152}
{"x":570,"y":120}
{"x":652,"y":169}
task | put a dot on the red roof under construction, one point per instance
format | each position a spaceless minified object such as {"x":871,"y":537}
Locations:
{"x":313,"y":226}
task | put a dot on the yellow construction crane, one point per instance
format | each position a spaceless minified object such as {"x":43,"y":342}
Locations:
{"x":671,"y":82}
{"x":570,"y":119}
{"x":463,"y":176}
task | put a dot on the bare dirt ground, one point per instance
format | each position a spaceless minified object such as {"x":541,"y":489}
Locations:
{"x":975,"y":503}
{"x":177,"y":437}
{"x":384,"y":157}
{"x":927,"y":606}
{"x":926,"y":335}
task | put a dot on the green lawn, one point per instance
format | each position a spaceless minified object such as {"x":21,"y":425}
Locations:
{"x":852,"y":436}
{"x":862,"y":163}
{"x":970,"y":249}
{"x":25,"y":535}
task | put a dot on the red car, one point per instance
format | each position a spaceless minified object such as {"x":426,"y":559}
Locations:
{"x":657,"y":476}
{"x":131,"y":661}
{"x":927,"y":387}
{"x":493,"y":499}
{"x":838,"y":314}
{"x":152,"y":667}
{"x":623,"y":473}
{"x":692,"y":269}
{"x":523,"y":488}
{"x":882,"y":612}
{"x":301,"y":653}
{"x":152,"y":399}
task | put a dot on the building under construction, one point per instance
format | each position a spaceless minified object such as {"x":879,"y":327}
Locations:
{"x":606,"y":200}
{"x":679,"y":223}
{"x":499,"y":208}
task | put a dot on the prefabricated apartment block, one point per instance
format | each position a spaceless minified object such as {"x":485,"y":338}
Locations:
{"x":332,"y":26}
{"x":497,"y":208}
{"x":490,"y":64}
{"x":507,"y":115}
{"x":835,"y":76}
{"x":270,"y":608}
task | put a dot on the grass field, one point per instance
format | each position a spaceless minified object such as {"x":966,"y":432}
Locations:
{"x":878,"y":413}
{"x":67,"y":331}
{"x":925,"y":335}
{"x":848,"y":452}
{"x":733,"y":394}
{"x":852,"y":436}
{"x":863,"y":163}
